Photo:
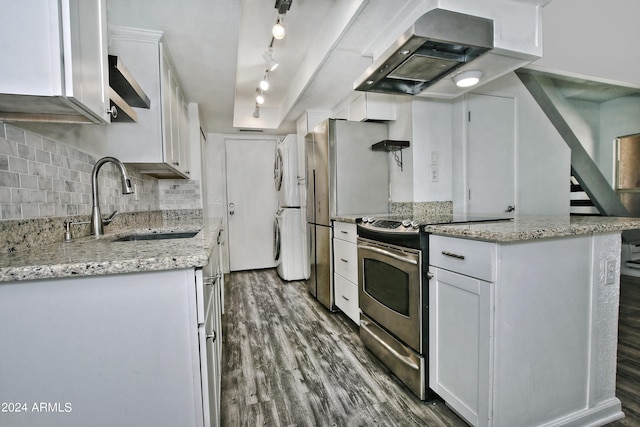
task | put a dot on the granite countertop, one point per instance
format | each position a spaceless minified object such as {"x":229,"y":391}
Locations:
{"x":535,"y":227}
{"x":88,"y":256}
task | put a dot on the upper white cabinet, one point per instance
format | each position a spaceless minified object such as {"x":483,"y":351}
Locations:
{"x":372,"y":106}
{"x":54,"y":66}
{"x":158,"y":144}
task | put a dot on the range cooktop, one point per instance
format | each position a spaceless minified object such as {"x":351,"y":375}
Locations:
{"x":395,"y":223}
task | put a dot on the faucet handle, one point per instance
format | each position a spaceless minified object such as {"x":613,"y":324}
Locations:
{"x":108,"y":220}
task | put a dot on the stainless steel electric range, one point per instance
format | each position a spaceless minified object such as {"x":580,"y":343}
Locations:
{"x":393,"y":280}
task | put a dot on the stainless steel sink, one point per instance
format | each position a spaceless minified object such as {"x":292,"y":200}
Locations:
{"x":156,"y":236}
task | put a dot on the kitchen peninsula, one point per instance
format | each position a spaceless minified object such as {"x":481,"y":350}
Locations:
{"x":523,"y":319}
{"x":107,"y":332}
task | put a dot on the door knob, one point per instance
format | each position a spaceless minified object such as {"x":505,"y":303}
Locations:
{"x":510,"y":208}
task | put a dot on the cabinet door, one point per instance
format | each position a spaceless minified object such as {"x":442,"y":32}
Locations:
{"x":54,"y":61}
{"x":460,"y":340}
{"x":30,"y":64}
{"x":85,"y":55}
{"x":346,"y":296}
{"x":345,"y":259}
{"x":185,"y":163}
{"x":210,"y":340}
{"x":175,"y":120}
{"x":167,"y":97}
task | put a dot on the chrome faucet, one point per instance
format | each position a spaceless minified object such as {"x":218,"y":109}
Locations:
{"x":97,"y":223}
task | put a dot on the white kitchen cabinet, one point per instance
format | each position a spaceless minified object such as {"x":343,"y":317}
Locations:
{"x":210,"y":338}
{"x":54,"y":66}
{"x":524,"y":333}
{"x":371,"y":106}
{"x":135,"y":349}
{"x":158,"y":144}
{"x":460,"y":317}
{"x":345,"y":269}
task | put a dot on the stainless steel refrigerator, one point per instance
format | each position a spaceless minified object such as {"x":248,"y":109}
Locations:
{"x":344,"y":176}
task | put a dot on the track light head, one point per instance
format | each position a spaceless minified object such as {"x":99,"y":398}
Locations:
{"x":278,"y":30}
{"x":271,"y":63}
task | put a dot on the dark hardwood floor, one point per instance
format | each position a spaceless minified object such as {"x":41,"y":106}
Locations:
{"x":287,"y":361}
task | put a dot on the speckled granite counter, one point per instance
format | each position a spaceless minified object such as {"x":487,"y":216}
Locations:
{"x":88,"y":256}
{"x":535,"y":227}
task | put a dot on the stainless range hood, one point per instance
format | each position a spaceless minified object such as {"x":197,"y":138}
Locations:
{"x":439,"y":42}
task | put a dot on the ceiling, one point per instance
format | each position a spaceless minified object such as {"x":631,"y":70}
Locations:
{"x":218,"y":47}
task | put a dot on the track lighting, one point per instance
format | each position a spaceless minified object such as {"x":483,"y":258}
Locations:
{"x":268,"y":58}
{"x":278,"y":30}
{"x":467,"y":78}
{"x":256,"y":112}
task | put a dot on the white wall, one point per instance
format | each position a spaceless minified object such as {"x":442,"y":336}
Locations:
{"x":619,"y":117}
{"x":432,"y":126}
{"x":592,"y":38}
{"x":543,"y":159}
{"x":401,"y":181}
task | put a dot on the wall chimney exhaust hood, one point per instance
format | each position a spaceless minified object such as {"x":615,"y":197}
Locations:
{"x":438,"y":43}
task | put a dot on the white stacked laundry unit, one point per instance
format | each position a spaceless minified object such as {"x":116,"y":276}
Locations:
{"x":288,"y":229}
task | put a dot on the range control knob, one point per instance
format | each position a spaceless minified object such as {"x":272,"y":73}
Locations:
{"x":406,"y":223}
{"x":415,"y":224}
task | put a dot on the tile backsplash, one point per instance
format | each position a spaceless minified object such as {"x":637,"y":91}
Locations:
{"x":41,"y":178}
{"x":44,"y":182}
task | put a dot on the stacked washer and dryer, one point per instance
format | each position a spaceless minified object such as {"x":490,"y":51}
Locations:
{"x":289,"y":226}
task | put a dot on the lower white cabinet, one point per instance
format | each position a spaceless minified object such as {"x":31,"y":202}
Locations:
{"x":345,"y":269}
{"x":525,"y":333}
{"x":461,"y":338}
{"x":210,"y":338}
{"x":139,"y":349}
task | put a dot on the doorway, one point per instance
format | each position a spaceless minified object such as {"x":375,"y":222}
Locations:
{"x":491,"y":154}
{"x":252,"y":202}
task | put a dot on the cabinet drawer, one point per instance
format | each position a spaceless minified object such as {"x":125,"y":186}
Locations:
{"x":345,"y":259}
{"x":345,"y":231}
{"x":469,"y":257}
{"x":346,"y":295}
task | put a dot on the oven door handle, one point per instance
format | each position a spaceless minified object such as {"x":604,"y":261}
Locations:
{"x":389,"y":254}
{"x":400,"y":357}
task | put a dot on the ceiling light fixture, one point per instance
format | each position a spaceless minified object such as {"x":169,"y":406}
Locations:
{"x":272,"y":64}
{"x":264,"y":83}
{"x":256,"y":112}
{"x":259,"y":96}
{"x":278,"y":29}
{"x":467,"y":78}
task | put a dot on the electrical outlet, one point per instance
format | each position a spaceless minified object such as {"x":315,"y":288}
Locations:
{"x":434,"y":157}
{"x":434,"y":174}
{"x":610,"y":272}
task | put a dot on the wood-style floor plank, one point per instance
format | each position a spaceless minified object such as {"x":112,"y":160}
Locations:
{"x":287,"y":361}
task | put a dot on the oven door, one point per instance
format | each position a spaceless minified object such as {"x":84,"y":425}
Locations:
{"x":390,"y":289}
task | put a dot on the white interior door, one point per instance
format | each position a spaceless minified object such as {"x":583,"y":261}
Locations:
{"x":492,"y":160}
{"x":251,"y":203}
